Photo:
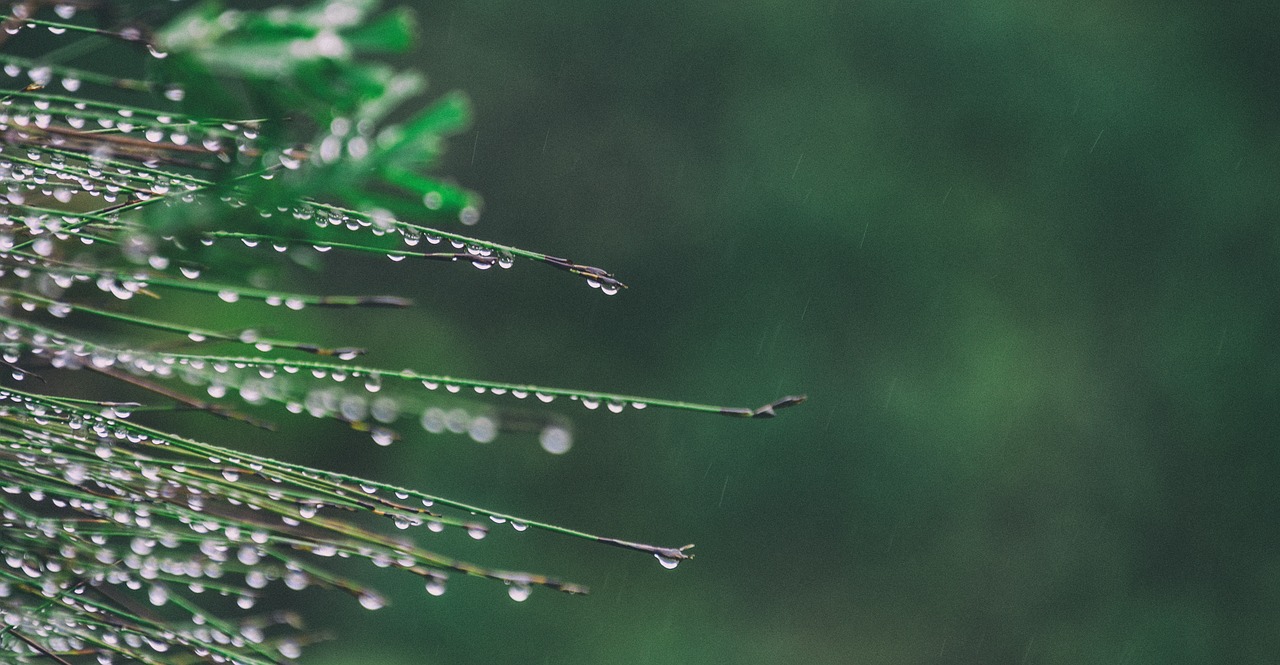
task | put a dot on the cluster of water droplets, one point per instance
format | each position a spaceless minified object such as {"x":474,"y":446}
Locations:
{"x":85,"y":506}
{"x":88,"y":500}
{"x":95,"y":506}
{"x":353,"y":395}
{"x":106,"y":131}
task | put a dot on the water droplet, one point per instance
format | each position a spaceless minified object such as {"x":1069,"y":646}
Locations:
{"x":435,"y":586}
{"x":371,"y":601}
{"x":477,"y":531}
{"x":519,"y":592}
{"x":555,"y":439}
{"x":667,"y":562}
{"x":158,"y":595}
{"x":482,"y":430}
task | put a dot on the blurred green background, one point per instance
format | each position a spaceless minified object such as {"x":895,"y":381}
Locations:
{"x":1021,"y":256}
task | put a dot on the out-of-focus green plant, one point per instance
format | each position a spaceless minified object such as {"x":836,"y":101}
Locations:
{"x":243,"y":135}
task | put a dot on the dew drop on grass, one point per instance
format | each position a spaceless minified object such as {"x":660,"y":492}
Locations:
{"x":666,"y":561}
{"x":482,"y":430}
{"x":371,"y":601}
{"x":382,"y":436}
{"x":435,"y":586}
{"x":289,"y":649}
{"x":519,"y":592}
{"x":555,"y":439}
{"x":469,"y":215}
{"x":477,"y":531}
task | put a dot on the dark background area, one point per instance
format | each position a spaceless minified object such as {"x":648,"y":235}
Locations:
{"x":1022,"y":258}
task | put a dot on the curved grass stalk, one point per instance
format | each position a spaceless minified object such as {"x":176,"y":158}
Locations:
{"x":72,"y":77}
{"x":192,"y":284}
{"x":195,"y":334}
